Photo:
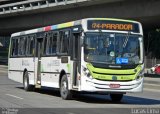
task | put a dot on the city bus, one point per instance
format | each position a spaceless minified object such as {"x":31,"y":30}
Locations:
{"x":92,"y":55}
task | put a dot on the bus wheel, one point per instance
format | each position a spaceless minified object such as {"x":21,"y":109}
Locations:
{"x":26,"y":85}
{"x":116,"y":97}
{"x":65,"y":93}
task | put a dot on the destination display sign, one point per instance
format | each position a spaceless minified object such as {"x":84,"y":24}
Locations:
{"x":112,"y":25}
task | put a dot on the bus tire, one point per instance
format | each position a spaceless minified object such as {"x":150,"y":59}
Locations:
{"x":116,"y":97}
{"x":26,"y":84}
{"x":65,"y":93}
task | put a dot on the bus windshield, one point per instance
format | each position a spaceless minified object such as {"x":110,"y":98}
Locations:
{"x":112,"y":48}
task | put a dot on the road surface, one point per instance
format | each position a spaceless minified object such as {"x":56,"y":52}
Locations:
{"x":48,"y":101}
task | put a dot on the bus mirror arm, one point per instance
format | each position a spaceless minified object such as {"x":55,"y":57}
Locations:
{"x":81,"y":42}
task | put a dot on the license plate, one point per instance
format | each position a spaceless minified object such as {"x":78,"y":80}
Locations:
{"x":114,"y":85}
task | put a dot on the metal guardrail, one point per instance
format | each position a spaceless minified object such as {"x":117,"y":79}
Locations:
{"x":34,"y":4}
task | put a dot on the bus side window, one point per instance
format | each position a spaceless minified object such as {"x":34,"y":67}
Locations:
{"x":51,"y":47}
{"x":48,"y":49}
{"x":45,"y":45}
{"x":14,"y":47}
{"x":64,"y":42}
{"x":19,"y":46}
{"x":22,"y":46}
{"x":54,"y":43}
{"x":30,"y":46}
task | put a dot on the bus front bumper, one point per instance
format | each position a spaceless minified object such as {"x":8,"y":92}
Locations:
{"x":93,"y":85}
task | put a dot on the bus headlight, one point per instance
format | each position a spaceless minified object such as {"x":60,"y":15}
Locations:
{"x":140,"y":75}
{"x":86,"y":72}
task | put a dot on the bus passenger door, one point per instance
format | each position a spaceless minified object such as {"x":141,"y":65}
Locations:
{"x":76,"y":58}
{"x":39,"y":42}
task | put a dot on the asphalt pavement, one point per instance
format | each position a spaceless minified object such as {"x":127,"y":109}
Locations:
{"x":3,"y":70}
{"x":14,"y":99}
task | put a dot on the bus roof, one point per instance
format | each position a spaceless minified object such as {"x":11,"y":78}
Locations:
{"x":65,"y":25}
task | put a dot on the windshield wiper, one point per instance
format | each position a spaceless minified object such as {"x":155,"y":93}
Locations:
{"x":126,"y":40}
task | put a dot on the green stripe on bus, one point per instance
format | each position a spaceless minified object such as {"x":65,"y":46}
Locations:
{"x":69,"y":68}
{"x":42,"y":68}
{"x":64,"y":25}
{"x":107,"y":74}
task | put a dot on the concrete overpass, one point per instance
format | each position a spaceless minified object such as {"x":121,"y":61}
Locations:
{"x":28,"y":14}
{"x":37,"y":13}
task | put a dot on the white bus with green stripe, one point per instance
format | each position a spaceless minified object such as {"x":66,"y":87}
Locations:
{"x":95,"y":55}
